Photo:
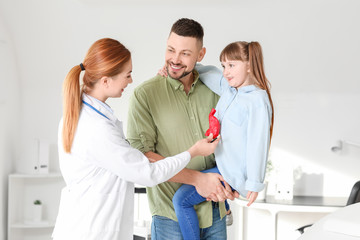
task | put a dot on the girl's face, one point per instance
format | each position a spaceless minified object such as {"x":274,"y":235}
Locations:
{"x":236,"y":72}
{"x":119,"y":82}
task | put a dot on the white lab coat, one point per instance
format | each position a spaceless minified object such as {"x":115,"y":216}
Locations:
{"x":98,"y":200}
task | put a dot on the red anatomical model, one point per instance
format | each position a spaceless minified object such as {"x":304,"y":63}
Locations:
{"x":214,"y":125}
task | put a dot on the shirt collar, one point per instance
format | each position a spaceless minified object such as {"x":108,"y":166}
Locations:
{"x":247,"y":89}
{"x":176,"y":84}
{"x":100,"y":106}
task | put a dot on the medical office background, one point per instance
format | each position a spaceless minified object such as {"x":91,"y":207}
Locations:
{"x":311,"y":53}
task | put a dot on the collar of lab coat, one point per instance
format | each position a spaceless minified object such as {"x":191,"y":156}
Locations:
{"x":100,"y":106}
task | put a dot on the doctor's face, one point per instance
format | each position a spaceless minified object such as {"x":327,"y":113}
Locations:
{"x":119,"y":82}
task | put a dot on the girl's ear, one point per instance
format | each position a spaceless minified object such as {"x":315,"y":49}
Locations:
{"x":248,"y":67}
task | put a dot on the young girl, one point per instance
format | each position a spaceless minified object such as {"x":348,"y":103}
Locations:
{"x":98,"y":164}
{"x":245,"y":113}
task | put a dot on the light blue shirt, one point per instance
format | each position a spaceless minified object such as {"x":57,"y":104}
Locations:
{"x":245,"y":119}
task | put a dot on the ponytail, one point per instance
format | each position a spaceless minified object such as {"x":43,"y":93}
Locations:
{"x":71,"y":106}
{"x":105,"y":57}
{"x":257,"y":70}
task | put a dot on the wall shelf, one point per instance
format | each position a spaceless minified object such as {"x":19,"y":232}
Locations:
{"x":23,"y":190}
{"x":44,"y":224}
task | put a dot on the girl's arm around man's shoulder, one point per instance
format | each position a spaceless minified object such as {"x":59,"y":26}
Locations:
{"x":212,"y":77}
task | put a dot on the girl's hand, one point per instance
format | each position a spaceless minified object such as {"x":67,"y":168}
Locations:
{"x":251,"y":196}
{"x":162,"y":72}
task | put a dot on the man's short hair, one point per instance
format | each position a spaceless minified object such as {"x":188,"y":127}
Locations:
{"x":188,"y":28}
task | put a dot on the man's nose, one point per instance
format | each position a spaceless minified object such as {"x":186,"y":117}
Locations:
{"x":176,"y":59}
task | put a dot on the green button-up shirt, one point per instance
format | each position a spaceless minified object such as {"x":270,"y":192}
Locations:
{"x":165,"y":120}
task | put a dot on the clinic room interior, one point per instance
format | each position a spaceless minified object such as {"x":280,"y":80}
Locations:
{"x":311,"y":56}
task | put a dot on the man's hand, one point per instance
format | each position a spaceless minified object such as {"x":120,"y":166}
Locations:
{"x":153,"y":160}
{"x":209,"y":186}
{"x":229,"y":193}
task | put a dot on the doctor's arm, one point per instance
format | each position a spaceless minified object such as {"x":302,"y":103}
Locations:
{"x":114,"y":154}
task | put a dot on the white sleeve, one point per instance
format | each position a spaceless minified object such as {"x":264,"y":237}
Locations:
{"x":110,"y":151}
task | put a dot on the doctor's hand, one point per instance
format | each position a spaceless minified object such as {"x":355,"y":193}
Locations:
{"x":204,"y":147}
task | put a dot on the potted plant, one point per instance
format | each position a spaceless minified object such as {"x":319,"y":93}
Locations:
{"x":37,"y":210}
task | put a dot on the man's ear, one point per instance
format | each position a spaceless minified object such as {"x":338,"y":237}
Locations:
{"x":201,"y":54}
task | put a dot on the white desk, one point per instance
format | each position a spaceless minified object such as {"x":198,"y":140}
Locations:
{"x":298,"y":204}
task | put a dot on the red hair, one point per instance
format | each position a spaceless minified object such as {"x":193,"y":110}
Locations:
{"x":106,"y":57}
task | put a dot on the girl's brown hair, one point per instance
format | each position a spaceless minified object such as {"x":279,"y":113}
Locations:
{"x":106,"y":57}
{"x":252,"y":53}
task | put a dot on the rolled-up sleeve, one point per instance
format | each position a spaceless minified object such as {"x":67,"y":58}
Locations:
{"x":141,"y":129}
{"x":258,"y":135}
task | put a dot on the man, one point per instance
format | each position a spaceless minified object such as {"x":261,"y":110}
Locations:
{"x":166,"y":116}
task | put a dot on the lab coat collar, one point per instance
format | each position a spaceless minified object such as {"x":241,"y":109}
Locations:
{"x":100,"y":106}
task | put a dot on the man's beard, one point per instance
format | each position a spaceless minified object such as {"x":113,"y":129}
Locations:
{"x":178,"y":78}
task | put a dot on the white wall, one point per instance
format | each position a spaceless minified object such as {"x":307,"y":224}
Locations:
{"x":9,"y":109}
{"x":311,"y":51}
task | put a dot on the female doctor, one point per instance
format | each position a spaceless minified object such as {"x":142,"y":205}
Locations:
{"x":97,"y":163}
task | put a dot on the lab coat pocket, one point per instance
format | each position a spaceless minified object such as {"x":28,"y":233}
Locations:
{"x":104,"y":211}
{"x":86,"y":214}
{"x":70,"y":222}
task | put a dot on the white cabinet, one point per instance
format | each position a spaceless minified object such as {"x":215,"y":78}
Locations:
{"x":24,"y":189}
{"x":279,"y":218}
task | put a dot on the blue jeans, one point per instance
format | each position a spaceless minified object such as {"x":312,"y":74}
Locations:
{"x":163,"y":228}
{"x":184,"y":200}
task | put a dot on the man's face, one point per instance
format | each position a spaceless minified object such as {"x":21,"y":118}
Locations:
{"x":181,"y":55}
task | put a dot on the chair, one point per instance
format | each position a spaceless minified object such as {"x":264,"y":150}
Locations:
{"x":353,"y":198}
{"x":354,"y":194}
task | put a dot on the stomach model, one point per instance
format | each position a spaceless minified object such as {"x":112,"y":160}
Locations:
{"x":214,"y":125}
